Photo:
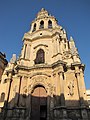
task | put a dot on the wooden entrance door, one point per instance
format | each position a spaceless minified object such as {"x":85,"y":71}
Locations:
{"x":39,"y":104}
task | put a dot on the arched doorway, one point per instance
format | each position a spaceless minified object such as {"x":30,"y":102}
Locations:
{"x":39,"y":103}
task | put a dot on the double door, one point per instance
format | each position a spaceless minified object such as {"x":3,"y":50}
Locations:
{"x":39,"y":104}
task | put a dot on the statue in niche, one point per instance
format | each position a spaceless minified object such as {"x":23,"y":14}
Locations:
{"x":71,"y":86}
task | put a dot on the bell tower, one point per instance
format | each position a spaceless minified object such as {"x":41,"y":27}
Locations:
{"x":46,"y":82}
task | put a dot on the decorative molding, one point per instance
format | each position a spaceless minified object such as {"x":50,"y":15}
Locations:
{"x":39,"y":73}
{"x":59,"y":62}
{"x":40,"y":45}
{"x":67,"y":55}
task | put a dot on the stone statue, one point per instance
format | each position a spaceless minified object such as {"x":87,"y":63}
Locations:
{"x":71,"y":86}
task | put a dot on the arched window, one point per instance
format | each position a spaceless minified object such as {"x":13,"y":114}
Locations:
{"x":40,"y":57}
{"x":2,"y":97}
{"x":42,"y":24}
{"x":34,"y":27}
{"x":49,"y":24}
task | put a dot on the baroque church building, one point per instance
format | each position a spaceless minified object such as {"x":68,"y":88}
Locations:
{"x":46,"y":82}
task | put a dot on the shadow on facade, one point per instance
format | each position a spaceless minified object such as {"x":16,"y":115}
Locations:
{"x":28,"y":107}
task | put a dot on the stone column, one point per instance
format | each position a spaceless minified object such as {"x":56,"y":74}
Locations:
{"x":62,"y":46}
{"x":83,"y":88}
{"x":60,"y":112}
{"x":66,"y":45}
{"x":5,"y":111}
{"x":61,"y":78}
{"x":54,"y":47}
{"x":23,"y":51}
{"x":18,"y":95}
{"x":28,"y":100}
{"x":79,"y":85}
{"x":80,"y":90}
{"x":32,"y":25}
{"x":27,"y":55}
{"x":45,"y":24}
{"x":48,"y":104}
{"x":37,"y":25}
{"x":57,"y":85}
{"x":58,"y":48}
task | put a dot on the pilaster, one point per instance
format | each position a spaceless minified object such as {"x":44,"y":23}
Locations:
{"x":77,"y":72}
{"x":61,"y":78}
{"x":23,"y":51}
{"x":27,"y":55}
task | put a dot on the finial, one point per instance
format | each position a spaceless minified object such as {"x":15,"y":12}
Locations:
{"x":71,"y":39}
{"x":43,"y":9}
{"x":64,"y":31}
{"x":13,"y":59}
{"x":42,"y":13}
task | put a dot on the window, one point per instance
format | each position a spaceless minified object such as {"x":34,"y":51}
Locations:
{"x":42,"y":24}
{"x":2,"y":97}
{"x":49,"y":24}
{"x":40,"y":57}
{"x":34,"y":27}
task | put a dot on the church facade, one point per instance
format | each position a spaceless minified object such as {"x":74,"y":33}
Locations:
{"x":46,"y":82}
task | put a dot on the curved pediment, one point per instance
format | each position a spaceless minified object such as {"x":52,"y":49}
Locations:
{"x":40,"y":73}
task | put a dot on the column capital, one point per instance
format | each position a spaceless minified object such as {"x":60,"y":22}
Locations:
{"x":77,"y":73}
{"x":60,"y":72}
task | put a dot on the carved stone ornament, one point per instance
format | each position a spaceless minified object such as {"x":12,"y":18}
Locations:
{"x":39,"y":79}
{"x":71,"y":86}
{"x":74,"y":51}
{"x":66,"y":55}
{"x":36,"y":81}
{"x":52,"y":89}
{"x":24,"y":91}
{"x":58,"y":38}
{"x":30,"y":88}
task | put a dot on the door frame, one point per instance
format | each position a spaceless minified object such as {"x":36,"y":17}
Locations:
{"x":48,"y":99}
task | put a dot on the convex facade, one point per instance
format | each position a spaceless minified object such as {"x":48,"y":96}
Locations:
{"x":46,"y":82}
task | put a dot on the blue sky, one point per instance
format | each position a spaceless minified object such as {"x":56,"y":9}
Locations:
{"x":72,"y":15}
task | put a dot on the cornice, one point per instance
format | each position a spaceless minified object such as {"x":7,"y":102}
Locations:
{"x":52,"y":32}
{"x":78,"y":64}
{"x":38,"y":66}
{"x":41,"y":66}
{"x":40,"y":73}
{"x":58,"y":63}
{"x":40,"y":45}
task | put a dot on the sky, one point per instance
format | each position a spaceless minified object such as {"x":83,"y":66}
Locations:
{"x":72,"y":15}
